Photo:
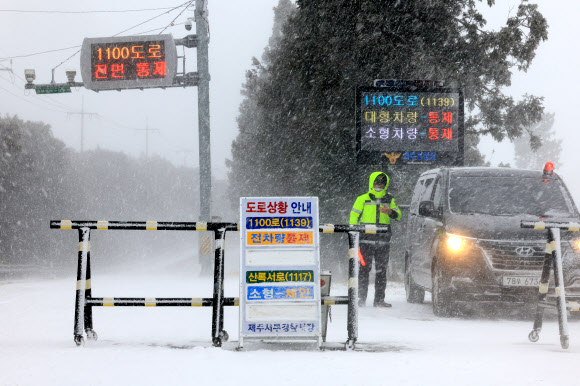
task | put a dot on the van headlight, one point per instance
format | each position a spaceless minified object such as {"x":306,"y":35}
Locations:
{"x":458,"y":243}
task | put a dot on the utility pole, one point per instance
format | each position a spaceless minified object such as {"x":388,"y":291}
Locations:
{"x":147,"y":130}
{"x":184,"y":154}
{"x":82,"y":113}
{"x":201,"y":29}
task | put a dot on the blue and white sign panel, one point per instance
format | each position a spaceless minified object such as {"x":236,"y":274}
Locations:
{"x":279,"y":268}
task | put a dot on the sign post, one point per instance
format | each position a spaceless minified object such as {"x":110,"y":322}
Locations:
{"x":409,"y":122}
{"x":279,"y":269}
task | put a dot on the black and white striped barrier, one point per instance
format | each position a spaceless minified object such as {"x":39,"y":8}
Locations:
{"x":352,"y":298}
{"x":84,"y":300}
{"x":553,"y":260}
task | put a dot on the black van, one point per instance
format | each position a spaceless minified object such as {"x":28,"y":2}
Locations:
{"x":464,"y":242}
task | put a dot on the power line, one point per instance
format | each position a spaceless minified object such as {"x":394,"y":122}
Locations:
{"x":29,"y":101}
{"x":85,"y":12}
{"x":68,"y":48}
{"x":39,"y":53}
{"x":155,"y":17}
{"x":157,"y":29}
{"x":177,"y":16}
{"x":128,"y":29}
{"x":43,"y":99}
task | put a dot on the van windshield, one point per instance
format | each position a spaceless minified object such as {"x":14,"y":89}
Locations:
{"x":509,"y":196}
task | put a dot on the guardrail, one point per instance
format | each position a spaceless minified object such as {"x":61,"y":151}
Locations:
{"x":552,"y":260}
{"x":84,"y":300}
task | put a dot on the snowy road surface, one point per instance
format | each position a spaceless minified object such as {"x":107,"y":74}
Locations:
{"x":170,"y":346}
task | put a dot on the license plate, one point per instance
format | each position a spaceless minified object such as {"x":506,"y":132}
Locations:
{"x":521,"y":281}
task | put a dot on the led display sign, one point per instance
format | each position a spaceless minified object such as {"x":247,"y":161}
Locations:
{"x":406,"y":124}
{"x":128,"y":62}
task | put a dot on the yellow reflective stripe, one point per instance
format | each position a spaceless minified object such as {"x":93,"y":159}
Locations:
{"x":236,"y":301}
{"x":80,"y":284}
{"x":238,"y":224}
{"x":557,"y":291}
{"x":548,"y":248}
{"x":88,"y":246}
{"x":371,"y":229}
{"x":88,"y":284}
{"x":102,"y":225}
{"x":328,"y":228}
{"x":352,"y":253}
{"x":543,"y":288}
{"x":329,"y":302}
{"x":108,"y":302}
{"x":553,"y":245}
{"x":196,"y":302}
{"x":150,"y":302}
{"x":201,"y":226}
{"x":574,"y":306}
{"x":353,"y":282}
{"x":151,"y":225}
{"x":540,"y":225}
{"x":65,"y":224}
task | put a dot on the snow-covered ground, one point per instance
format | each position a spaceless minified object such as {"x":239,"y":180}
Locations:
{"x":171,"y":346}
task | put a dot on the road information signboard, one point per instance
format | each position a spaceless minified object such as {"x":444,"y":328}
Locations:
{"x":279,"y":269}
{"x":409,"y":122}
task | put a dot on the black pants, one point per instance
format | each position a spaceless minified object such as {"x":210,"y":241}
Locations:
{"x":380,"y":254}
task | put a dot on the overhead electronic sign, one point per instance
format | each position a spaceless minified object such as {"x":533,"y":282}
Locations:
{"x":128,"y":62}
{"x":409,"y":123}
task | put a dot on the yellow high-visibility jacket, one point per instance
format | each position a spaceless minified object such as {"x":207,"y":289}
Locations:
{"x":366,"y":207}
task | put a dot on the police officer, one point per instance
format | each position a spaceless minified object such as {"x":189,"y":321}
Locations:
{"x":375,"y":207}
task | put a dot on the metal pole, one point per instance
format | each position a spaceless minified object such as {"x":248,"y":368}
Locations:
{"x":217,"y":333}
{"x":543,"y":291}
{"x":559,"y":286}
{"x":201,"y":28}
{"x":91,"y":334}
{"x":82,"y":124}
{"x":84,"y":237}
{"x":147,"y":138}
{"x":352,"y":319}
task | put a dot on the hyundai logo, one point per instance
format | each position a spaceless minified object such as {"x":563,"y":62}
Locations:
{"x":525,"y":251}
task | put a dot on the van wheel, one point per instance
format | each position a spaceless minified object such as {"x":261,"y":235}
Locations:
{"x":415,"y":294}
{"x":442,"y":305}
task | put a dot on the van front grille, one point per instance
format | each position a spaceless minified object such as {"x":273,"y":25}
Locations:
{"x":514,"y":255}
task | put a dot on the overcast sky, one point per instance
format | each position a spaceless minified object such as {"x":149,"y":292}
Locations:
{"x":239,"y":30}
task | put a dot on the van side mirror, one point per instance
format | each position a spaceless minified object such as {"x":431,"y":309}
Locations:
{"x":426,"y":208}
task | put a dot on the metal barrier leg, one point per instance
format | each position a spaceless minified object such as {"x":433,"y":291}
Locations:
{"x":534,"y":335}
{"x":560,"y":291}
{"x":222,"y":245}
{"x":352,"y":320}
{"x":91,"y":334}
{"x":84,"y":237}
{"x":217,"y":333}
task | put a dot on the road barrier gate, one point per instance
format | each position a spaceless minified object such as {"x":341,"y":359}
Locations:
{"x":553,"y":260}
{"x":84,"y":301}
